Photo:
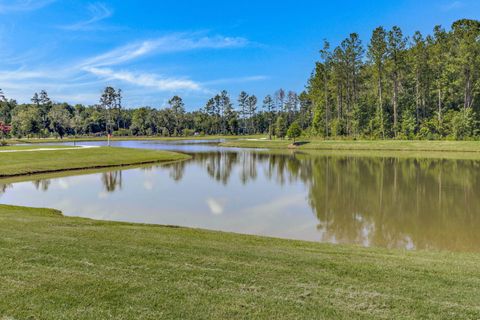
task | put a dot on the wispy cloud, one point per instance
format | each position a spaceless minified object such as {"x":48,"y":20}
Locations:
{"x":8,"y":6}
{"x":21,"y":75}
{"x":101,"y":65}
{"x":80,"y":81}
{"x":145,"y":79}
{"x":167,"y":44}
{"x":237,"y":80}
{"x":97,"y":12}
{"x":452,"y":6}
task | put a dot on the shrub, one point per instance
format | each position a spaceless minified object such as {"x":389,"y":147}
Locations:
{"x":294,"y":131}
{"x":188,"y":132}
{"x":164,"y":132}
{"x":122,"y":133}
{"x":408,"y":125}
{"x":461,"y":123}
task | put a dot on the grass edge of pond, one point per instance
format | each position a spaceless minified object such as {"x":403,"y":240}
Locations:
{"x":18,"y":164}
{"x":55,"y":266}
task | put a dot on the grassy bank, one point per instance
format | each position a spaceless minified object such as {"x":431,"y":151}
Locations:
{"x":33,"y":147}
{"x":360,"y":145}
{"x":22,"y":163}
{"x":259,"y":141}
{"x":55,"y":267}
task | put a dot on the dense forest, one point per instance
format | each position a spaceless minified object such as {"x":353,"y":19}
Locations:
{"x":418,"y":87}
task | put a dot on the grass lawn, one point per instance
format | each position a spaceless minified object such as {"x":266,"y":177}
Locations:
{"x":257,"y":141}
{"x":361,"y":145}
{"x":54,"y":267}
{"x":21,"y":163}
{"x":32,"y":147}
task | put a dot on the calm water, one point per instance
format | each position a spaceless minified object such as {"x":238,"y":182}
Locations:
{"x":387,"y":202}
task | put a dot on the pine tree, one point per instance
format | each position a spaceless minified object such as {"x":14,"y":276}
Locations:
{"x":243,"y":104}
{"x":377,"y":54}
{"x":178,"y":110}
{"x":421,"y":70}
{"x":326,"y":57}
{"x":269,"y":107}
{"x":252,"y":109}
{"x":466,"y":35}
{"x":396,"y":45}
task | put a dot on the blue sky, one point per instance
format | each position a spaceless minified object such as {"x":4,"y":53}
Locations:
{"x":156,"y":49}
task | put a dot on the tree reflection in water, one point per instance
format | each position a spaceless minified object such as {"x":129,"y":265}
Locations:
{"x":42,"y":185}
{"x":388,"y":202}
{"x":4,"y":187}
{"x":398,"y":202}
{"x":112,"y":180}
{"x":177,"y":170}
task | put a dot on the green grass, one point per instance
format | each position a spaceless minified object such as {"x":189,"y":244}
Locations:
{"x":54,"y":267}
{"x":305,"y":144}
{"x":361,"y":145}
{"x":32,"y":147}
{"x":22,"y":163}
{"x":453,"y":155}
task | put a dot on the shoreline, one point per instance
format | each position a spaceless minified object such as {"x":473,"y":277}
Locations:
{"x":18,"y":164}
{"x":152,"y":270}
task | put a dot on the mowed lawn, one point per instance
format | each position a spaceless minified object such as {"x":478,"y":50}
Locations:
{"x":365,"y":145}
{"x":29,"y":162}
{"x":32,"y":147}
{"x":54,"y":267}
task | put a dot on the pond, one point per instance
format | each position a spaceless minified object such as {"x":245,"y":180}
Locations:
{"x":369,"y":201}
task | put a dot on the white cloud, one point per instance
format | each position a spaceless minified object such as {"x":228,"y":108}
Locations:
{"x":278,"y":205}
{"x":148,"y":185}
{"x":81,"y":81}
{"x":120,"y":55}
{"x":97,"y":12}
{"x":167,"y":44}
{"x":237,"y":80}
{"x":21,"y":75}
{"x":452,"y":6}
{"x":145,"y":79}
{"x":102,"y":195}
{"x":216,"y":206}
{"x":63,"y":184}
{"x":8,"y":6}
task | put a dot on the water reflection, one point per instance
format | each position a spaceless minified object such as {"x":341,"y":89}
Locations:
{"x":112,"y":180}
{"x":4,"y":187}
{"x":177,"y":170}
{"x":387,"y":202}
{"x":42,"y":185}
{"x":397,"y":202}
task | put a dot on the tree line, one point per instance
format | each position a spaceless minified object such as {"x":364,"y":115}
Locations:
{"x":398,"y":87}
{"x":419,"y":87}
{"x":44,"y":118}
